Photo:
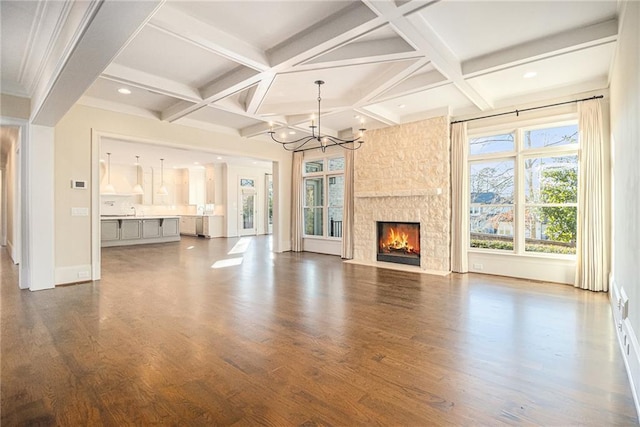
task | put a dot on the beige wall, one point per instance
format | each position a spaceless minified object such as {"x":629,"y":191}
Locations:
{"x":402,"y":173}
{"x":10,"y":186}
{"x":625,"y":140}
{"x":73,"y":141}
{"x":14,"y":106}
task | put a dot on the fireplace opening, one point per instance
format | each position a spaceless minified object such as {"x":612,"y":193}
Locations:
{"x":399,"y":242}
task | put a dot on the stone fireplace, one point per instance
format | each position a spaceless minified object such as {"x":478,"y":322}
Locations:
{"x":402,"y":174}
{"x":399,"y":242}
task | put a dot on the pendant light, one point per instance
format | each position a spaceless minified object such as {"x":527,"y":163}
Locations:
{"x":109,"y":189}
{"x":137,"y":189}
{"x":162,"y":191}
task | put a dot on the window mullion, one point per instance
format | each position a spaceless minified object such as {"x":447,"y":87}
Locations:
{"x":519,"y":214}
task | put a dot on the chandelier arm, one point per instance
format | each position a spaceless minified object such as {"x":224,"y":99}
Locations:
{"x":290,"y":142}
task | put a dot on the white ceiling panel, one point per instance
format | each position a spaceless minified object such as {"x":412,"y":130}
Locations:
{"x":412,"y":105}
{"x":263,"y":24}
{"x":142,"y":98}
{"x":221,"y":118}
{"x":476,"y":28}
{"x":560,"y":71}
{"x":14,"y":18}
{"x":350,"y":119}
{"x":187,"y":63}
{"x":296,"y":93}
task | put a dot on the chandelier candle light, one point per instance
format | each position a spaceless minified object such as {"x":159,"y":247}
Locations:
{"x":109,"y":189}
{"x":137,"y":189}
{"x":162,"y":191}
{"x":324,"y":140}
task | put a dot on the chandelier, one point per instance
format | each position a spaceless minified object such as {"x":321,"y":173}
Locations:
{"x":324,"y":140}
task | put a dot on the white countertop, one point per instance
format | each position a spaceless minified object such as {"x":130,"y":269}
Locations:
{"x":108,"y":217}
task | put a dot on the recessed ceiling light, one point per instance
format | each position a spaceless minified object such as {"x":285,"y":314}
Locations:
{"x":219,"y":158}
{"x":255,"y":163}
{"x":356,"y":117}
{"x":124,"y":91}
{"x":292,"y":132}
{"x":401,"y":105}
{"x":196,"y":163}
{"x":530,"y":74}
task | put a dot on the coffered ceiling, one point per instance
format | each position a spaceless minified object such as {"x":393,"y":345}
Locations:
{"x":238,"y":65}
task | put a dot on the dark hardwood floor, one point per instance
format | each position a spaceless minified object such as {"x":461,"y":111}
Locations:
{"x":303,"y":339}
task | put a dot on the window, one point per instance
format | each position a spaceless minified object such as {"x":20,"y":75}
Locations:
{"x":523,"y":190}
{"x":323,"y":197}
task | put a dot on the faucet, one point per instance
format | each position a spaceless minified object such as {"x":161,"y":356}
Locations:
{"x":134,"y":211}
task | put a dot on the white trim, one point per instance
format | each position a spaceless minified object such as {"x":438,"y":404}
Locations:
{"x":73,"y":274}
{"x":95,"y":205}
{"x":532,"y":267}
{"x":625,"y":328}
{"x":322,"y":245}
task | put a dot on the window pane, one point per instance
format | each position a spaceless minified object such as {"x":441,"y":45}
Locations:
{"x":313,"y":221}
{"x":491,"y":144}
{"x":491,"y":228}
{"x":492,"y":182}
{"x":551,"y":137}
{"x":314,"y":166}
{"x":336,"y":190}
{"x":314,"y":191}
{"x":335,"y":222}
{"x":551,"y":229}
{"x":551,"y":179}
{"x":336,"y":164}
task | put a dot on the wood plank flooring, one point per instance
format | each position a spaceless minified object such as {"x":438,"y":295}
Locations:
{"x":303,"y":339}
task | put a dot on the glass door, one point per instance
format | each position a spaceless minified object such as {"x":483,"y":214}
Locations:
{"x":247,"y":219}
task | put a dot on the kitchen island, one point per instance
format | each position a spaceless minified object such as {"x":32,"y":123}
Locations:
{"x":138,"y":230}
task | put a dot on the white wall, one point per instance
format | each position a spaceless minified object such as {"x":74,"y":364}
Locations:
{"x":625,"y":135}
{"x":73,"y":160}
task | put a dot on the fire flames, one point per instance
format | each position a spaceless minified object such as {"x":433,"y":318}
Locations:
{"x":398,"y":241}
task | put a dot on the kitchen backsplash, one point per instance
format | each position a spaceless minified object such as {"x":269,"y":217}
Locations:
{"x":121,"y":205}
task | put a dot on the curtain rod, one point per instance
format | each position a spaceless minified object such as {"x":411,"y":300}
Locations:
{"x":517,"y":112}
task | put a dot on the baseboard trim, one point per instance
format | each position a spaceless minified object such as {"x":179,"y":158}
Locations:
{"x":624,"y":329}
{"x":72,"y":274}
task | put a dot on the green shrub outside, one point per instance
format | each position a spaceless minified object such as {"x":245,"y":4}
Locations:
{"x":497,"y":244}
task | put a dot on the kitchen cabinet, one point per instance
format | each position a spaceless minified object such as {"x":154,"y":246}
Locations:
{"x":129,"y":230}
{"x":170,"y":227}
{"x":212,"y":225}
{"x":151,"y":228}
{"x":210,"y":184}
{"x":109,"y":230}
{"x":188,"y":225}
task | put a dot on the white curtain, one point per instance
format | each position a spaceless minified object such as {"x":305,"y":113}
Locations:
{"x":347,"y":215}
{"x":297,"y":202}
{"x":459,"y":199}
{"x":592,"y":248}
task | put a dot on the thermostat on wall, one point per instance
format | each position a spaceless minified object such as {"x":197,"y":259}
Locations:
{"x":81,"y":185}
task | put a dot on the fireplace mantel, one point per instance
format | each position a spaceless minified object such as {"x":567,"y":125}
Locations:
{"x":399,"y":193}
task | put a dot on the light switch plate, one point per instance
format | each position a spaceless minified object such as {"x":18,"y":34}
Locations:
{"x":79,"y":211}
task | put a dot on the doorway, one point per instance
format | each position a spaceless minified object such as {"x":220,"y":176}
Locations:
{"x":247,"y":220}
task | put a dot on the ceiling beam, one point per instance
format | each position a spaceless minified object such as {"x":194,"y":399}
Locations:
{"x":97,"y":41}
{"x":151,"y":82}
{"x":368,"y":51}
{"x":566,"y":41}
{"x":194,"y":31}
{"x":260,"y":92}
{"x":417,"y":31}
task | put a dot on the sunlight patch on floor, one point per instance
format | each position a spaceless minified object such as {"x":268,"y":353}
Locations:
{"x":227,"y":263}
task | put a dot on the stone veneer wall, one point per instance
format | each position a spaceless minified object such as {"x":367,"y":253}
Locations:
{"x":402,"y":173}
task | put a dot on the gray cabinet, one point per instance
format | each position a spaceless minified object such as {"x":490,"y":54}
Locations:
{"x":150,"y":228}
{"x":188,"y":225}
{"x":110,"y":230}
{"x":170,"y":227}
{"x":130,"y":229}
{"x":124,"y":231}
